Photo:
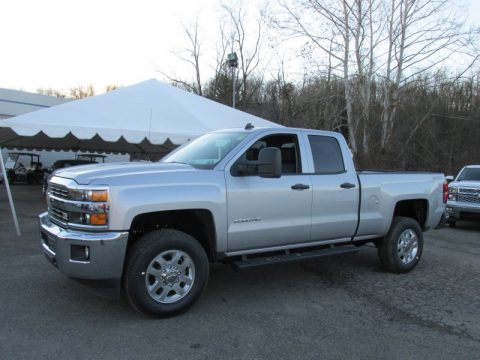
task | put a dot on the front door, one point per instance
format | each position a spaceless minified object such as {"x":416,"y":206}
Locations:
{"x":269,"y":212}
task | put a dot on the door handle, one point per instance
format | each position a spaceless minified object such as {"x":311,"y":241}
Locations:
{"x":300,"y":187}
{"x":347,"y":185}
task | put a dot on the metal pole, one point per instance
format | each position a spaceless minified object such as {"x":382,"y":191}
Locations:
{"x":9,"y":194}
{"x":234,"y":85}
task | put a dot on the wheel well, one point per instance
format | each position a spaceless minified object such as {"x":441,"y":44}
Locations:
{"x":195,"y":222}
{"x":416,"y":209}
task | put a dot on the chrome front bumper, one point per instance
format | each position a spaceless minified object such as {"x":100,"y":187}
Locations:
{"x":106,"y":251}
{"x":457,"y":210}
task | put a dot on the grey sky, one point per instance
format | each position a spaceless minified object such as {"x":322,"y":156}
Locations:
{"x":60,"y":44}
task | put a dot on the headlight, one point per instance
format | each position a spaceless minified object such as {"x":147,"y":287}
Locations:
{"x":96,"y":195}
{"x":452,"y":193}
{"x":89,"y":195}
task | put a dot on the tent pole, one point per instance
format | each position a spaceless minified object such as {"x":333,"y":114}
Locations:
{"x":7,"y":186}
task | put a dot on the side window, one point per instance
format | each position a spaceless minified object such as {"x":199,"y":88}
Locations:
{"x":290,"y":152}
{"x":327,"y":155}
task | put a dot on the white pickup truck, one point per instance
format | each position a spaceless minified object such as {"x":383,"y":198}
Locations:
{"x":247,"y":197}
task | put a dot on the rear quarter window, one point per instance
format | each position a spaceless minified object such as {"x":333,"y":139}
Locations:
{"x":327,"y":155}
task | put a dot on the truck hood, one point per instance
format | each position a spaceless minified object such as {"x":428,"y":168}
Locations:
{"x":466,"y":184}
{"x":86,"y":174}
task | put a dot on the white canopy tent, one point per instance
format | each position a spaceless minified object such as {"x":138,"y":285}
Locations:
{"x":149,"y":117}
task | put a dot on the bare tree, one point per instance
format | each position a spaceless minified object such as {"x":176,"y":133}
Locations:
{"x":247,"y":44}
{"x":367,"y":34}
{"x":51,"y":92}
{"x":80,"y":92}
{"x":447,"y":89}
{"x":222,"y":46}
{"x":422,"y":34}
{"x":111,"y":87}
{"x":328,"y":25}
{"x":190,"y":55}
{"x":415,"y":36}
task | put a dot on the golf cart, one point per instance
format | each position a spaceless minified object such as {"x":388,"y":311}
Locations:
{"x":24,"y":167}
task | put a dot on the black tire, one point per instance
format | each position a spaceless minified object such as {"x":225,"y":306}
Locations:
{"x":452,"y":223}
{"x":141,"y":257}
{"x":389,"y":254}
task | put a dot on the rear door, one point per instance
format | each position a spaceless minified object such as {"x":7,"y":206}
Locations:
{"x":335,"y":190}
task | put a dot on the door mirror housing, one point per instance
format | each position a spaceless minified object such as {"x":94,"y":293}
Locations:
{"x":270,"y":163}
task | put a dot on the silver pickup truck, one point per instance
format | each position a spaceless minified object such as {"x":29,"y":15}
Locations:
{"x":464,"y":195}
{"x":246,"y":197}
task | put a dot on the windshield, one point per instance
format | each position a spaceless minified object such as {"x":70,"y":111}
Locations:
{"x":469,"y":174}
{"x":206,"y":151}
{"x":11,"y":160}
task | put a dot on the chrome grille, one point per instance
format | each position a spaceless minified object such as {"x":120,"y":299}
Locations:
{"x":469,"y":191}
{"x":58,"y":190}
{"x":59,"y":213}
{"x":56,"y":212}
{"x":68,"y":209}
{"x":471,"y":199}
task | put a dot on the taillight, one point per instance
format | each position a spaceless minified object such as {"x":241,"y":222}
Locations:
{"x":445,"y":191}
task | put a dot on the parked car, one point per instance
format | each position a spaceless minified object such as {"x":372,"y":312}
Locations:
{"x":249,"y":197}
{"x":60,"y":164}
{"x":464,"y":195}
{"x":91,"y":157}
{"x":31,"y":173}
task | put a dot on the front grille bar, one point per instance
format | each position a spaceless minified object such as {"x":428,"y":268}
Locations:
{"x":58,"y":190}
{"x":472,"y":199}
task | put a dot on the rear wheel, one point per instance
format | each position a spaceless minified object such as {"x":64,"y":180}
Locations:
{"x":166,"y":272}
{"x":401,"y":249}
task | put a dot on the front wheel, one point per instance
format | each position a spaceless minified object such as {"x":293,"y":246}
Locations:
{"x":166,"y":272}
{"x":400,"y":250}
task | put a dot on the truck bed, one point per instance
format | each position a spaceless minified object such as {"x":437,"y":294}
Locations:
{"x":382,"y":190}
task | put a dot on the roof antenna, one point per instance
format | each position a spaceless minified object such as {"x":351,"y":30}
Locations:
{"x":249,"y":126}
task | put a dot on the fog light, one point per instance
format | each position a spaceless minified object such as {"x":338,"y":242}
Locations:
{"x":98,"y":219}
{"x":79,"y":253}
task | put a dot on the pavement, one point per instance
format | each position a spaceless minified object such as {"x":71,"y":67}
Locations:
{"x":344,"y":307}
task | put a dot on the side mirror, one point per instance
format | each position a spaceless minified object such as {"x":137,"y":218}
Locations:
{"x":270,"y":163}
{"x":449,"y":178}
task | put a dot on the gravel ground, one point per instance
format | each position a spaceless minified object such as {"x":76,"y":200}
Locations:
{"x":336,"y":308}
